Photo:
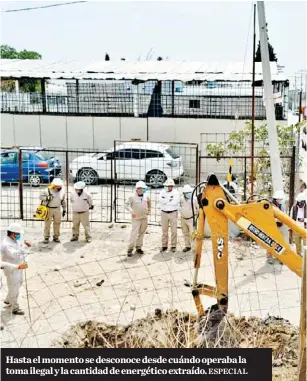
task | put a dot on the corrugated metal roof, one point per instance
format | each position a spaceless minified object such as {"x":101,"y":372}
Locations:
{"x":129,"y":70}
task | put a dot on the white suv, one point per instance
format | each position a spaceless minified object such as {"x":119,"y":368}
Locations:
{"x":132,"y":161}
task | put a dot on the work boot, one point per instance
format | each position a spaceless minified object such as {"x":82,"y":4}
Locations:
{"x":129,"y":253}
{"x":18,"y":311}
{"x":6,"y":302}
{"x":46,"y":240}
{"x":186,"y":249}
{"x":74,"y":239}
{"x":139,"y":251}
{"x":89,"y":240}
{"x":173,"y":249}
{"x":164,"y":248}
{"x":55,"y":239}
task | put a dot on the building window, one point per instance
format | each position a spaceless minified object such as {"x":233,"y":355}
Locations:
{"x":194,"y":103}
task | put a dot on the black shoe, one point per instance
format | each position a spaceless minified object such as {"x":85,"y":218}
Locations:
{"x":163,"y":249}
{"x":186,"y":249}
{"x":56,"y":240}
{"x":139,"y":251}
{"x":73,"y":239}
{"x":18,"y":312}
{"x":6,"y":302}
{"x":129,"y":253}
{"x":173,"y":249}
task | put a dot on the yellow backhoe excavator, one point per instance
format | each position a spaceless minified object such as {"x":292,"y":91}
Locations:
{"x":256,"y":219}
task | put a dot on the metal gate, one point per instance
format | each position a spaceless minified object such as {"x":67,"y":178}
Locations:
{"x":151,"y":162}
{"x":37,"y":168}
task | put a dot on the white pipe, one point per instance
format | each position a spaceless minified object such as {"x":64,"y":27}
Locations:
{"x":269,"y":101}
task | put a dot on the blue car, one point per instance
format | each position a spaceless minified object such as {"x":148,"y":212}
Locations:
{"x":36,"y":168}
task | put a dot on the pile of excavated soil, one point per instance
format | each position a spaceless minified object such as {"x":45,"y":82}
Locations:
{"x":174,"y":329}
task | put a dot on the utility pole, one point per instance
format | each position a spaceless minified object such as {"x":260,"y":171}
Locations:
{"x":269,"y":101}
{"x":253,"y":105}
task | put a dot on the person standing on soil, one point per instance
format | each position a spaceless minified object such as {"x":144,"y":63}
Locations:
{"x":82,"y":203}
{"x":298,"y":213}
{"x":187,"y":215}
{"x":12,"y":261}
{"x":54,"y":197}
{"x":169,"y":204}
{"x":139,"y":205}
{"x":278,"y":201}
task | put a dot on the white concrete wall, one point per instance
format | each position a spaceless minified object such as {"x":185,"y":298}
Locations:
{"x":100,"y":132}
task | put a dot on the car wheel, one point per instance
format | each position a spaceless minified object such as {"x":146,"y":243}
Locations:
{"x":88,"y":175}
{"x":35,"y":180}
{"x":155,"y":179}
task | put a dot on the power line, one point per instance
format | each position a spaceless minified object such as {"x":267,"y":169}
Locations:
{"x":44,"y":6}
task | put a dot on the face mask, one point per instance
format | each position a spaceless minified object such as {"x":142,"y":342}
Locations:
{"x":144,"y":191}
{"x":17,"y":238}
{"x":188,"y":196}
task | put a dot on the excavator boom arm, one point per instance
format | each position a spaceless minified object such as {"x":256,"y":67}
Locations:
{"x":257,"y":220}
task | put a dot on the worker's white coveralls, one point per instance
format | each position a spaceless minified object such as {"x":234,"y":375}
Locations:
{"x":169,"y":204}
{"x":12,"y":253}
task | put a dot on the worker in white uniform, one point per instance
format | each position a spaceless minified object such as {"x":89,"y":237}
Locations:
{"x":82,"y":203}
{"x":54,"y":198}
{"x":12,"y":261}
{"x":278,"y":201}
{"x":169,"y":203}
{"x":298,"y":213}
{"x":187,"y":215}
{"x":139,"y":206}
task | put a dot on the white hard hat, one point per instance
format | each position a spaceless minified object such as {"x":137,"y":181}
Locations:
{"x":301,"y":197}
{"x":169,"y":183}
{"x":57,"y":182}
{"x":187,"y":189}
{"x":80,"y":185}
{"x":279,"y":195}
{"x":15,"y":227}
{"x":140,"y":184}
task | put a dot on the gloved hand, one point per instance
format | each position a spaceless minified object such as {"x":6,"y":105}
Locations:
{"x":92,"y":207}
{"x":64,"y":213}
{"x":23,"y":266}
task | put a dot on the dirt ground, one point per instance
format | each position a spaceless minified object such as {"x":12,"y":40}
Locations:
{"x":174,"y":329}
{"x":74,"y":282}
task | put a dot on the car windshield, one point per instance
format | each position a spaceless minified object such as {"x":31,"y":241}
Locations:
{"x":172,"y":154}
{"x":41,"y":157}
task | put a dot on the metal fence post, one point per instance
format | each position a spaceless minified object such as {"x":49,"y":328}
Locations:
{"x":20,"y":183}
{"x":67,"y":183}
{"x":292,"y":178}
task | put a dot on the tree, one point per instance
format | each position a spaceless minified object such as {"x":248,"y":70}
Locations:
{"x":272,"y":55}
{"x":25,"y":84}
{"x":239,"y":144}
{"x":159,"y":59}
{"x":7,"y":52}
{"x":107,"y":57}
